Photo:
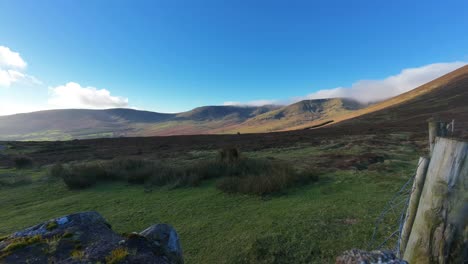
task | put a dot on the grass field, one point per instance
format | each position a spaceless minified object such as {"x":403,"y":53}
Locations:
{"x":304,"y":224}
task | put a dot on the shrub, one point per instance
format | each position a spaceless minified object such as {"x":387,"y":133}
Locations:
{"x":23,"y":162}
{"x":140,"y":175}
{"x":239,"y":175}
{"x":249,"y":167}
{"x":193,"y":175}
{"x":229,"y":154}
{"x":229,"y":184}
{"x":253,"y":184}
{"x":206,"y":170}
{"x":164,"y":175}
{"x":83,"y":175}
{"x":273,"y":179}
{"x":132,"y":170}
{"x":189,"y":178}
{"x":57,"y":170}
{"x":249,"y":176}
{"x":180,"y":177}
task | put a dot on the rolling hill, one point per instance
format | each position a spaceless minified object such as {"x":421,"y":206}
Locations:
{"x":445,"y":97}
{"x":83,"y":123}
{"x":74,"y":123}
{"x":300,"y":113}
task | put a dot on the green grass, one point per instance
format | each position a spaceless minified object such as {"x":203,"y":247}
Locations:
{"x":216,"y":227}
{"x":47,"y":135}
{"x":10,"y":177}
{"x":310,"y":223}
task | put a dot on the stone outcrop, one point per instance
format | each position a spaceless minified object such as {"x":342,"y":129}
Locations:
{"x":87,"y":237}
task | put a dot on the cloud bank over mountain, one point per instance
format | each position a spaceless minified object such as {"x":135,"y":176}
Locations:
{"x":376,"y":90}
{"x":73,"y":95}
{"x":366,"y":91}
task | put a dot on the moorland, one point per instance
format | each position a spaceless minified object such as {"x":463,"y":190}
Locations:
{"x":317,"y":191}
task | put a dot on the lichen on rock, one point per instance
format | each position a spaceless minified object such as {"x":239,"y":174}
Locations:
{"x":87,"y":237}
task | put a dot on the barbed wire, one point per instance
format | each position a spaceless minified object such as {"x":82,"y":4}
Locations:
{"x":389,"y":225}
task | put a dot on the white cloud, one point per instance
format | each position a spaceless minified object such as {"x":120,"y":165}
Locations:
{"x":73,"y":95}
{"x":7,"y":77}
{"x":374,"y":90}
{"x":11,"y":59}
{"x":12,"y":68}
{"x":252,"y":103}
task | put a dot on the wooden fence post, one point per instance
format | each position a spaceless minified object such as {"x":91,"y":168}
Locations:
{"x":436,"y":129}
{"x":438,"y":234}
{"x":415,"y":195}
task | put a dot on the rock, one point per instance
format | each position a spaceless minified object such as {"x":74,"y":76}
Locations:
{"x":87,"y":237}
{"x":165,"y":235}
{"x":356,"y":256}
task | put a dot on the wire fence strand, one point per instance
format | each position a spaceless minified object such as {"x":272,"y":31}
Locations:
{"x":389,"y":225}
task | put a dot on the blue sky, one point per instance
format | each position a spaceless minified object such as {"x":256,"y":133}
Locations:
{"x":171,"y":56}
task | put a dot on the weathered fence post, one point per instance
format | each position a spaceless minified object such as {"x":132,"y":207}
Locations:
{"x":436,"y":129}
{"x":415,"y":195}
{"x":438,"y":234}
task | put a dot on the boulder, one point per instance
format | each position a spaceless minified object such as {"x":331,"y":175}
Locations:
{"x":165,"y":235}
{"x":87,"y":237}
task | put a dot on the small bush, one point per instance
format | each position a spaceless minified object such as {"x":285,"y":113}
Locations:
{"x":79,"y":176}
{"x":189,"y":178}
{"x":229,"y":184}
{"x":229,"y":154}
{"x":209,"y":169}
{"x":131,"y":170}
{"x":57,"y":170}
{"x":164,"y":175}
{"x":238,"y":175}
{"x":254,"y":184}
{"x":273,"y":179}
{"x":23,"y":162}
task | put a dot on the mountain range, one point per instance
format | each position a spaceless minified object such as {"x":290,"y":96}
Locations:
{"x":445,"y":97}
